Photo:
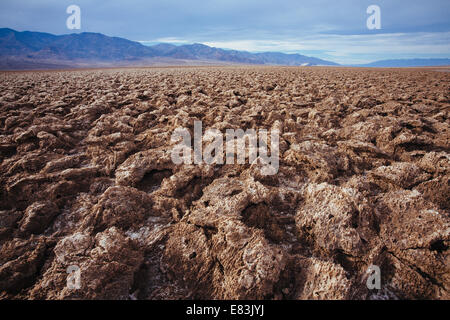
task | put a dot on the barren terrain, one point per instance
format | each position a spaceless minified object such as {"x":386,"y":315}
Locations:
{"x":86,"y":179}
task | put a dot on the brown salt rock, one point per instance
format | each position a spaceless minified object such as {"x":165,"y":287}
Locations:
{"x":184,"y":175}
{"x":408,"y":282}
{"x":249,"y":266}
{"x":362,"y":155}
{"x":122,"y":207}
{"x":38,"y":216}
{"x":62,"y":163}
{"x":8,"y":222}
{"x":437,"y":191}
{"x":435,"y":162}
{"x":361,"y":131}
{"x":321,"y":161}
{"x":20,"y":261}
{"x":187,"y":257}
{"x":402,"y":174}
{"x":135,"y":167}
{"x":418,"y":234}
{"x":235,"y":196}
{"x":245,"y":264}
{"x":321,"y":280}
{"x":107,"y":264}
{"x":72,"y":248}
{"x":109,"y":157}
{"x":334,"y":219}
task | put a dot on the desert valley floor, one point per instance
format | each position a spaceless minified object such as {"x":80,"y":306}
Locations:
{"x":87,"y":180}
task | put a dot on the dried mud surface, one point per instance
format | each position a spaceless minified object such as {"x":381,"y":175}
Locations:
{"x":86,"y":179}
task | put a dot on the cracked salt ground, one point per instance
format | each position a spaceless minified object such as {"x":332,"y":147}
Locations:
{"x":86,"y":179}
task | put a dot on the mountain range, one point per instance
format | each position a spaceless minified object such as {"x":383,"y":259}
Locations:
{"x":407,"y":63}
{"x":37,"y":50}
{"x":24,"y":50}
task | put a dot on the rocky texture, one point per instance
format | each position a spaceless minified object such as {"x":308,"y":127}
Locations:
{"x":86,"y":180}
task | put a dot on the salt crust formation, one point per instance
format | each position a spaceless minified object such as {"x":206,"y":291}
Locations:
{"x":86,"y":179}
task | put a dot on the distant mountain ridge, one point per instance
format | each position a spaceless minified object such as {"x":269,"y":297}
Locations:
{"x":408,"y":63}
{"x":93,"y":46}
{"x":201,"y":51}
{"x":22,"y":50}
{"x":37,"y":50}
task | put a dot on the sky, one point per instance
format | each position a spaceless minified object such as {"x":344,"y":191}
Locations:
{"x":334,"y":30}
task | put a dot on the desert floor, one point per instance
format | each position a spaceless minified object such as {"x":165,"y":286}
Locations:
{"x":87,"y":181}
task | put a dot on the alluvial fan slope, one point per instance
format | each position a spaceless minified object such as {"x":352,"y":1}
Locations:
{"x":86,"y":179}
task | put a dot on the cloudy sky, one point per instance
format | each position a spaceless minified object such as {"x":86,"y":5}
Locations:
{"x":335,"y":30}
